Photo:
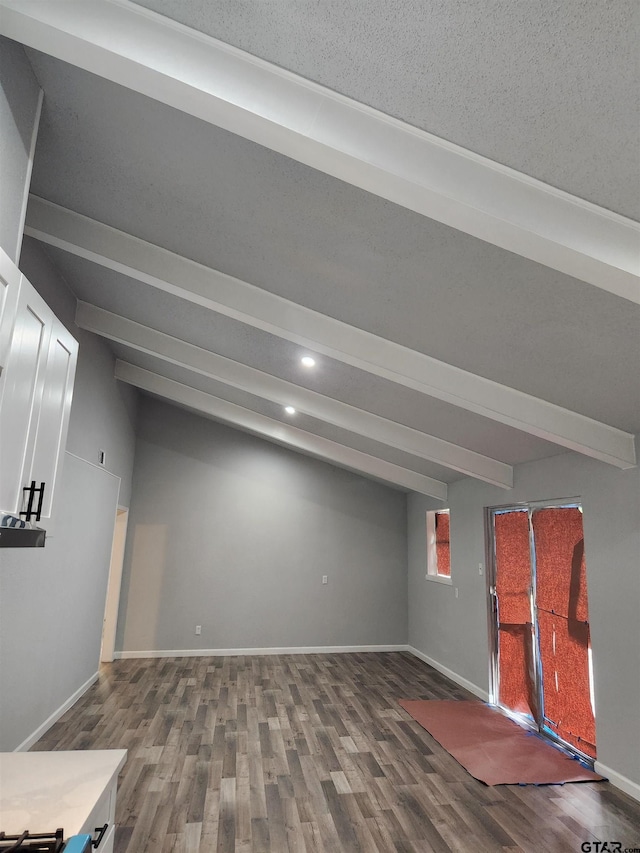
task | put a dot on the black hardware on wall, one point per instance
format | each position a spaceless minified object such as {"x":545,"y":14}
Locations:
{"x":32,"y":491}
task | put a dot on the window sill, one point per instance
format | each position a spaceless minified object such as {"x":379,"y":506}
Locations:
{"x":439,"y":579}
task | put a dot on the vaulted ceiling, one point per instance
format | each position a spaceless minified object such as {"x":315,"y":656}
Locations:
{"x":437,"y":201}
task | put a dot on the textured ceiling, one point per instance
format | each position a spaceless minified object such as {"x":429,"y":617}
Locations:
{"x":548,"y":88}
{"x":230,"y":204}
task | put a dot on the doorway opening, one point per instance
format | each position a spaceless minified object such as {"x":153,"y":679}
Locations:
{"x":110,"y":621}
{"x":541,"y":670}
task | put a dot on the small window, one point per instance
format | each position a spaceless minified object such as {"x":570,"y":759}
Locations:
{"x":438,"y":555}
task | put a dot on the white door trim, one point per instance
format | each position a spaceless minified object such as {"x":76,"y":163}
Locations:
{"x":110,"y":621}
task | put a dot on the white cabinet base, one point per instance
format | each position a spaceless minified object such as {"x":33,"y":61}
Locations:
{"x":42,"y":791}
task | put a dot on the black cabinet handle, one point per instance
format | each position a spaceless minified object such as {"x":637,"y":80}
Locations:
{"x":101,"y":831}
{"x":31,"y":492}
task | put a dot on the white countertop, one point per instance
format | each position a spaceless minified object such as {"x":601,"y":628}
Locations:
{"x":41,"y":791}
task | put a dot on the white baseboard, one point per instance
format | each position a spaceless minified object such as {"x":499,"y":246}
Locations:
{"x":35,"y":736}
{"x":288,"y":650}
{"x":451,"y":675}
{"x":618,"y":780}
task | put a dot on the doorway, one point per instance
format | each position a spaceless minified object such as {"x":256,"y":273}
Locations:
{"x":541,"y":670}
{"x":110,"y":621}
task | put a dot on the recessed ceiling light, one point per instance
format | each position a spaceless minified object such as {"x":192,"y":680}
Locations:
{"x":308,"y":361}
{"x":290,"y":410}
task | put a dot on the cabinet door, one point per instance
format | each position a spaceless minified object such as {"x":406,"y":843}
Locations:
{"x":108,"y":842}
{"x":54,"y":410}
{"x":10,"y":278}
{"x":22,"y":382}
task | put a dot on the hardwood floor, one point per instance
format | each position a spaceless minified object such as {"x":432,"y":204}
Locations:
{"x":311,"y":753}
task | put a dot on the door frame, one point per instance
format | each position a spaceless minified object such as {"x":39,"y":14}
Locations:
{"x":112,"y":600}
{"x":537,"y":723}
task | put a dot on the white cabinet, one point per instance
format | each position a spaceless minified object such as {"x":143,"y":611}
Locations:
{"x":103,"y":813}
{"x":54,"y":410}
{"x":10,"y":277}
{"x":38,"y":360}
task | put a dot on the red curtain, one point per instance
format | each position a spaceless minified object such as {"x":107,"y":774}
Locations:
{"x":443,"y":557}
{"x":561,"y":571}
{"x":565,"y":674}
{"x":516,"y":669}
{"x":513,"y":567}
{"x":563,"y":614}
{"x":513,"y":581}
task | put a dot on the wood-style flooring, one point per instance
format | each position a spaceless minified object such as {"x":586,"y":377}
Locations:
{"x":311,"y":753}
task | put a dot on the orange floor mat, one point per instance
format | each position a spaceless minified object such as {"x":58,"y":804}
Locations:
{"x":492,"y":748}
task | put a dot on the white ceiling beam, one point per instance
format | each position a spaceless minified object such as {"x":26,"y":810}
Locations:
{"x":226,"y":87}
{"x":314,"y":445}
{"x":263,"y":310}
{"x":400,"y":437}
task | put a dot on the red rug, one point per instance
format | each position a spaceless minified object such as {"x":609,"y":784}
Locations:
{"x":492,"y":747}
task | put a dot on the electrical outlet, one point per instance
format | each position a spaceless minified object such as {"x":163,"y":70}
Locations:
{"x":456,"y":591}
{"x":325,"y":579}
{"x":480,"y":569}
{"x":198,"y":629}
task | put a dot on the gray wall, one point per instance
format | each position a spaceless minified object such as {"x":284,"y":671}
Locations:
{"x":454,"y":631}
{"x":233,"y":533}
{"x":19,"y":93}
{"x":52,"y":599}
{"x":52,"y":603}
